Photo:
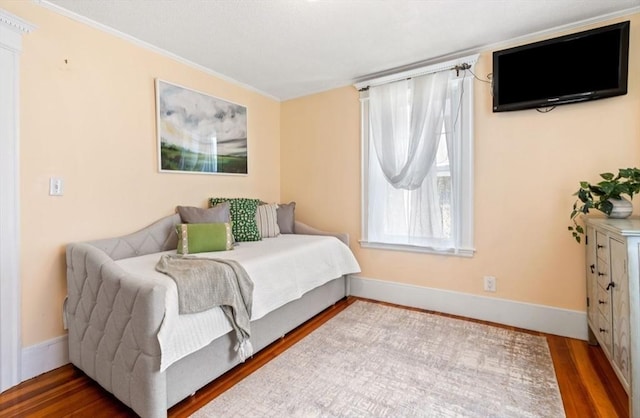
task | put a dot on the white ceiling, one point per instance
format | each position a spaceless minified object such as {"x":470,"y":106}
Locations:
{"x":292,"y":48}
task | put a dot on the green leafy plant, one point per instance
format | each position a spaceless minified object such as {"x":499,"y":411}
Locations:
{"x":596,"y":196}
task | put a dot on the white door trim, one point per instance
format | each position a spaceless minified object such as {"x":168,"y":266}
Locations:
{"x":11,"y":30}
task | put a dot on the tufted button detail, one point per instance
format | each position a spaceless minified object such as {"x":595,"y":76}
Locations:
{"x":105,"y":340}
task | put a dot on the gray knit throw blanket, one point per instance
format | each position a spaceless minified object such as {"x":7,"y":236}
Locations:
{"x":204,"y":283}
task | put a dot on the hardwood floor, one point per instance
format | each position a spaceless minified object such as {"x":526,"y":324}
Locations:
{"x":588,"y":385}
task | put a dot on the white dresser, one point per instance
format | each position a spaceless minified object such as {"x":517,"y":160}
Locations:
{"x":613,"y":297}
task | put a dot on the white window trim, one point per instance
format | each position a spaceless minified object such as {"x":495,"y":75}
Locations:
{"x":466,"y":212}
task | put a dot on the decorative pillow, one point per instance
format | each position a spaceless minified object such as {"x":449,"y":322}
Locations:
{"x":202,"y":238}
{"x":243,"y":217}
{"x":286,"y":217}
{"x":193,"y":215}
{"x":267,"y":220}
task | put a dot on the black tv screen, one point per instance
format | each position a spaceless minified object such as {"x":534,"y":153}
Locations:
{"x":582,"y":66}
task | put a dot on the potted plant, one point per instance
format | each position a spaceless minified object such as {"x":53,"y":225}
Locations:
{"x":605,"y":196}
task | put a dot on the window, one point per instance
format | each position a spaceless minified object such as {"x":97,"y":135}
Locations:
{"x":417,"y":159}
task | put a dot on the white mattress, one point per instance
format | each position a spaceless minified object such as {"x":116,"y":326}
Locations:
{"x":282,"y":269}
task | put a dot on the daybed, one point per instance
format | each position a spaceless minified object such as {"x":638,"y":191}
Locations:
{"x":126,"y":334}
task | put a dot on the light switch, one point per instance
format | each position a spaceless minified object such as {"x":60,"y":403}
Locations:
{"x":56,"y":186}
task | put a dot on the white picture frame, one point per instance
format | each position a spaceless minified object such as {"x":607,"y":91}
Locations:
{"x":199,"y":133}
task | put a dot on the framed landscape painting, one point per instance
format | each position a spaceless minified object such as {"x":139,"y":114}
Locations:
{"x":199,"y":133}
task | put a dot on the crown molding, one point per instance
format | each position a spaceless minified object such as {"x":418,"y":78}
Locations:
{"x":146,"y":45}
{"x":15,"y":23}
{"x":530,"y":37}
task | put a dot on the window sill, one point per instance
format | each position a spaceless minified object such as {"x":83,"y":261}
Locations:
{"x":463,"y":252}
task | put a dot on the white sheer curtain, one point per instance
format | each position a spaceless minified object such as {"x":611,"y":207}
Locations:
{"x":406,"y":120}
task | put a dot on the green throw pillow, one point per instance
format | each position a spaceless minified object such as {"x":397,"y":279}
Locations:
{"x":203,"y":238}
{"x":243,"y":217}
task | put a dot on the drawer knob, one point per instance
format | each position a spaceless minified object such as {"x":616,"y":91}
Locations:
{"x":593,"y":268}
{"x":601,"y":273}
{"x":603,"y":330}
{"x":601,"y":302}
{"x":599,"y":246}
{"x":610,"y":285}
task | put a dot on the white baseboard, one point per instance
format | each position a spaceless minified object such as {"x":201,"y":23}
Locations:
{"x":44,"y":357}
{"x":547,"y":319}
{"x":48,"y":355}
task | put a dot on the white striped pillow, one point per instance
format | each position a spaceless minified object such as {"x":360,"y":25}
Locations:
{"x":267,"y":220}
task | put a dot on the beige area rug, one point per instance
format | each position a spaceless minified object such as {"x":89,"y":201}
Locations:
{"x":372,"y":360}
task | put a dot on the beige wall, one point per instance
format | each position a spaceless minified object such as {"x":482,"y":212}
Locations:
{"x":91,"y":121}
{"x":527,"y":165}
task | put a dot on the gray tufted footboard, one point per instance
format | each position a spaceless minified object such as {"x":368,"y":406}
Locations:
{"x":113,"y":317}
{"x":113,"y":320}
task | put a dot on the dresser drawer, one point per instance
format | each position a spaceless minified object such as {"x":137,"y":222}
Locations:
{"x":604,"y":303}
{"x":602,"y":247}
{"x":602,"y":274}
{"x":604,"y":334}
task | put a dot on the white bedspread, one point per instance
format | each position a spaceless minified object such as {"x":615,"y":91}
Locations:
{"x":282,"y":269}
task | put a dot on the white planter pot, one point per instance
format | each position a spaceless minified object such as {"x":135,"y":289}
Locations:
{"x":622,"y":208}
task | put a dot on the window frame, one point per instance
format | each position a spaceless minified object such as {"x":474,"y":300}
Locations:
{"x":464,"y":216}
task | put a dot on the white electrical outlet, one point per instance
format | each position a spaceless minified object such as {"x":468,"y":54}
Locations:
{"x":56,"y":186}
{"x":489,"y":284}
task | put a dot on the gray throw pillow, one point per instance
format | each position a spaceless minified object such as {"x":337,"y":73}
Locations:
{"x":286,"y":217}
{"x":193,"y":215}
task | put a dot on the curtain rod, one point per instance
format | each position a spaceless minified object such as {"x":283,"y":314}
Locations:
{"x":457,"y":67}
{"x":460,"y":64}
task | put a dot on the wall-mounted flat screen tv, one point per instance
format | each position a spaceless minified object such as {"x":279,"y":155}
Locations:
{"x":582,"y":66}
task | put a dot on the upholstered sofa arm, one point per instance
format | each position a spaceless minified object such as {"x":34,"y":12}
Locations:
{"x":159,"y":236}
{"x":113,"y":319}
{"x":304,"y":229}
